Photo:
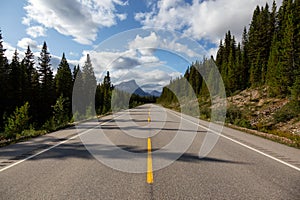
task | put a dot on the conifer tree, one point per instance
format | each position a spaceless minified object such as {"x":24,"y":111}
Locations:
{"x":47,"y":90}
{"x":15,"y":82}
{"x":89,"y":84}
{"x":4,"y":102}
{"x":64,"y":83}
{"x":31,"y":94}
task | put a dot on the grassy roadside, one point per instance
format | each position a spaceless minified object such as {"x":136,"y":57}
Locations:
{"x":31,"y":133}
{"x":239,"y":122}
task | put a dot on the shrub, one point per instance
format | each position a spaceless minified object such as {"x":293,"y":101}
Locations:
{"x":233,"y":114}
{"x":243,"y":123}
{"x":18,"y":121}
{"x":205,"y":113}
{"x":287,"y":112}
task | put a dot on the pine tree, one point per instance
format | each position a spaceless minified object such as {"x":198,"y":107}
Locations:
{"x":31,"y":93}
{"x":89,"y":78}
{"x":245,"y":60}
{"x":287,"y":62}
{"x":47,"y":89}
{"x":64,"y":83}
{"x":255,"y":75}
{"x":107,"y":87}
{"x":4,"y":102}
{"x":15,"y":82}
{"x":78,"y":95}
{"x":296,"y":86}
{"x":273,"y":73}
{"x":89,"y":86}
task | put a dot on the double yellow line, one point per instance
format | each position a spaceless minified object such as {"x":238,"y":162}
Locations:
{"x":149,"y":158}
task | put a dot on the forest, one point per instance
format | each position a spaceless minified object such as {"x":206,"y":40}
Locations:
{"x":268,"y":56}
{"x":35,"y":101}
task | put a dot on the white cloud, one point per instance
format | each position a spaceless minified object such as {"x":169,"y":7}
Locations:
{"x":25,"y":42}
{"x":80,"y":19}
{"x":122,"y":17}
{"x":36,"y":31}
{"x":148,"y":44}
{"x":202,"y":19}
{"x":10,"y":50}
{"x":129,"y":64}
{"x":145,"y":44}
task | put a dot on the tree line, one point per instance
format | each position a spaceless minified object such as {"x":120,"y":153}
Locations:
{"x":268,"y":55}
{"x":32,"y":97}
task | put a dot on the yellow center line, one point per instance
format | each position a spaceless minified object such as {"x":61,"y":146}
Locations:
{"x":149,"y":164}
{"x":149,"y":119}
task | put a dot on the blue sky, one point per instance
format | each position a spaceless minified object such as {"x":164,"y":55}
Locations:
{"x":167,"y":35}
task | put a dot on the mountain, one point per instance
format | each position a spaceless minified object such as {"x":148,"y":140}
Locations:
{"x":155,"y":93}
{"x":132,"y":88}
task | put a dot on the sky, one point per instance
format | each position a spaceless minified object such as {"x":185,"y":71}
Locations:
{"x":145,"y":40}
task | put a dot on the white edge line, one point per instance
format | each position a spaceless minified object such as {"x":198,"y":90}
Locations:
{"x":226,"y":137}
{"x":242,"y":144}
{"x":56,"y":145}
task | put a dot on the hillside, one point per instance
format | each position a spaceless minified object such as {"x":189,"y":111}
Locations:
{"x":260,"y":75}
{"x":278,"y":117}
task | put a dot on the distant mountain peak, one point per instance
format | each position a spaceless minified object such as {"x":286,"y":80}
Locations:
{"x":155,"y":93}
{"x":131,"y":87}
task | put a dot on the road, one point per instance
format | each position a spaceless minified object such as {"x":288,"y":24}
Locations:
{"x":137,"y":154}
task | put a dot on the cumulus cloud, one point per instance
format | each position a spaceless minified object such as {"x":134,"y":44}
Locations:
{"x":36,"y":31}
{"x":202,"y":19}
{"x":10,"y":50}
{"x":148,"y":44}
{"x":137,"y":61}
{"x":80,"y":19}
{"x":25,"y":42}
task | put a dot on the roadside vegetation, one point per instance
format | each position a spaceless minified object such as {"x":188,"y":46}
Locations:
{"x":261,"y":76}
{"x":37,"y":102}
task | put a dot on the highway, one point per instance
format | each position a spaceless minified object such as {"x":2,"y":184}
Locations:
{"x":148,"y":153}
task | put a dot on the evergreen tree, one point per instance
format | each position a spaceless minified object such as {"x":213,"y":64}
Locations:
{"x":89,"y":87}
{"x":64,"y":83}
{"x":31,"y":92}
{"x":245,"y":65}
{"x":15,"y":82}
{"x":4,"y":102}
{"x":255,"y":75}
{"x":47,"y":89}
{"x":89,"y":78}
{"x":288,"y":50}
{"x":273,"y":74}
{"x":78,"y":102}
{"x":107,"y":87}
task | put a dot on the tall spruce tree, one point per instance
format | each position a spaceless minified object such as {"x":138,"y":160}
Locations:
{"x":4,"y":71}
{"x":32,"y":83}
{"x":64,"y":83}
{"x":245,"y":60}
{"x":89,"y":77}
{"x":16,"y":81}
{"x":90,"y":84}
{"x":107,"y":87}
{"x":47,"y":89}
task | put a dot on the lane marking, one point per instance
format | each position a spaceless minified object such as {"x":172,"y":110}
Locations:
{"x":240,"y":143}
{"x":149,"y":119}
{"x":149,"y":164}
{"x":56,"y":145}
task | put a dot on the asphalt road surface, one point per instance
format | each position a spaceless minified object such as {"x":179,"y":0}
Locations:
{"x":148,"y":153}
